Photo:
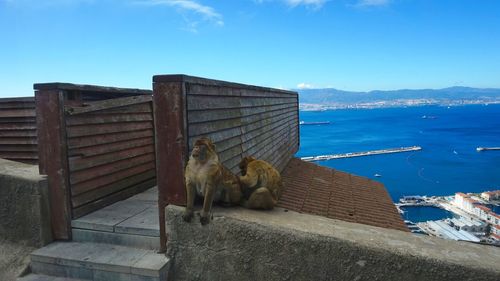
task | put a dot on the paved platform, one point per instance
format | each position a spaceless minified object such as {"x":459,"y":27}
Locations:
{"x":131,"y":222}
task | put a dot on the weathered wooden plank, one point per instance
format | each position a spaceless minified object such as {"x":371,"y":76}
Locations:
{"x":84,"y":176}
{"x":108,"y":104}
{"x":17,"y":113}
{"x":266,"y":124}
{"x":110,"y":147}
{"x":17,"y":105}
{"x":204,"y":90}
{"x":195,"y":117}
{"x":220,"y":135}
{"x":75,"y":143}
{"x":210,"y":102}
{"x":115,"y":186}
{"x":18,"y":147}
{"x":18,"y":154}
{"x":14,"y":134}
{"x":214,"y":126}
{"x":53,"y":158}
{"x":99,"y":129}
{"x":79,"y":163}
{"x":27,"y":140}
{"x":110,"y":199}
{"x":221,"y":114}
{"x":251,"y":147}
{"x":17,"y":126}
{"x":108,"y":179}
{"x":131,"y":109}
{"x":86,"y":119}
{"x":199,"y":89}
{"x":18,"y":120}
{"x":230,"y":153}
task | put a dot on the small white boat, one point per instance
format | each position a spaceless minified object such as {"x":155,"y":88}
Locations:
{"x":377,"y":175}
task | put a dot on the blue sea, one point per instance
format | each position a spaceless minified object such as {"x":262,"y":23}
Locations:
{"x":447,"y":163}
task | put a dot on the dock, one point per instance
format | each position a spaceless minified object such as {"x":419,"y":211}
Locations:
{"x":359,"y":154}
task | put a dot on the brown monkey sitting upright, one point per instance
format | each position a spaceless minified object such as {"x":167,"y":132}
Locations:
{"x":206,"y":177}
{"x":260,"y":184}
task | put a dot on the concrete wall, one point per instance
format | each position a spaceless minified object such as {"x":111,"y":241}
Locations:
{"x":249,"y":245}
{"x":24,"y":207}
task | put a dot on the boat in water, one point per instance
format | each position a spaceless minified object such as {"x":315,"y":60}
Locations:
{"x":377,"y":175}
{"x":314,"y":123}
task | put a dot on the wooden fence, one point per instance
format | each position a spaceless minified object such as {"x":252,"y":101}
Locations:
{"x":242,"y":120}
{"x":18,"y":140}
{"x":96,"y":146}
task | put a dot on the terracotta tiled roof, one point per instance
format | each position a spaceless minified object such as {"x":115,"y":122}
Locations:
{"x":484,"y":208}
{"x":317,"y":190}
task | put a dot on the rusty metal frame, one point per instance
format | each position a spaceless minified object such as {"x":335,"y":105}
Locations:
{"x":169,"y":107}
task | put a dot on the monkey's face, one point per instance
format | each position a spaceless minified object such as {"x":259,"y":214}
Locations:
{"x":199,"y":152}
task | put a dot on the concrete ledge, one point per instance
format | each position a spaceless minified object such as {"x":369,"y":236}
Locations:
{"x":24,"y":204}
{"x":241,"y":244}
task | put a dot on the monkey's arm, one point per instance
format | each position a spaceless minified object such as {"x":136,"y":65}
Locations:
{"x":207,"y":202}
{"x":190,"y":195}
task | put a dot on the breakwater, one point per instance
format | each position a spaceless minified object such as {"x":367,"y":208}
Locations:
{"x":362,"y":153}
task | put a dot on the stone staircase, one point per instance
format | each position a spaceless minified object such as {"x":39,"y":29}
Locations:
{"x":118,"y":242}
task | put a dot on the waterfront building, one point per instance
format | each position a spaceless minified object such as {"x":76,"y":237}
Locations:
{"x":470,"y":225}
{"x":491,"y":195}
{"x":443,"y":230}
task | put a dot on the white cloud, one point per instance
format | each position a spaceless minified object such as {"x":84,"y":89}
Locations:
{"x":305,"y":86}
{"x":316,"y":4}
{"x":309,"y":3}
{"x":208,"y":13}
{"x":367,"y":3}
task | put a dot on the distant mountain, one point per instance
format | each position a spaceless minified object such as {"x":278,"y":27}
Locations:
{"x":328,"y":98}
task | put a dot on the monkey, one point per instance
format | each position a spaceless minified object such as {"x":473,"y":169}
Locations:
{"x":260,"y":184}
{"x":205,"y":176}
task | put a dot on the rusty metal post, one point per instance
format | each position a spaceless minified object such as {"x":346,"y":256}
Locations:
{"x":53,"y":160}
{"x":169,"y":106}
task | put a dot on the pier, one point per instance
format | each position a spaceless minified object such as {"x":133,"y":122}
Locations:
{"x":359,"y":154}
{"x":487,"y":148}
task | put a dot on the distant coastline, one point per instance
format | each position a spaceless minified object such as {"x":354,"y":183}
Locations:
{"x":392,"y":104}
{"x":331,"y":99}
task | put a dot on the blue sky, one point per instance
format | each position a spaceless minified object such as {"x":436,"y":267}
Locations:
{"x":346,"y":44}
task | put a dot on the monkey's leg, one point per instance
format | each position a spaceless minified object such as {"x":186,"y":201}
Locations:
{"x":207,"y":203}
{"x":261,"y":198}
{"x":190,"y":194}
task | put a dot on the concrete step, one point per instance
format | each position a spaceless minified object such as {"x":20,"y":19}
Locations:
{"x":41,"y":277}
{"x":99,"y":262}
{"x":123,"y":239}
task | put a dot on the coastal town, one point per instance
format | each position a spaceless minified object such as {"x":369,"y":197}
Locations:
{"x":473,"y":218}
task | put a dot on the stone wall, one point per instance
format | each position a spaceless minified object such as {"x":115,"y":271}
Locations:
{"x":242,"y":244}
{"x":24,"y":207}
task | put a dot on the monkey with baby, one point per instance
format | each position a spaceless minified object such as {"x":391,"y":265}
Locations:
{"x":258,"y":187}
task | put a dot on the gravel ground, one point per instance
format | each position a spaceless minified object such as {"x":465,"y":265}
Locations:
{"x":14,"y":259}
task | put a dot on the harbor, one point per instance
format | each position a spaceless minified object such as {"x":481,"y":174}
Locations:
{"x":467,"y":217}
{"x":359,"y":154}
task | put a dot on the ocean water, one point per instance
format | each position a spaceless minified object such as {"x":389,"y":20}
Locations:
{"x":447,"y":163}
{"x":425,"y":213}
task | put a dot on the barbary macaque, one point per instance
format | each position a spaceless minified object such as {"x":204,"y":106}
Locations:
{"x":260,"y":183}
{"x":205,"y":176}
